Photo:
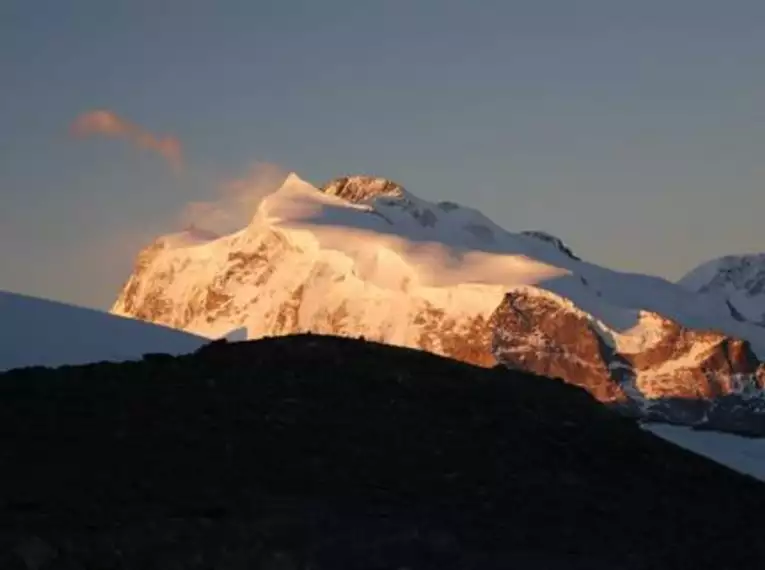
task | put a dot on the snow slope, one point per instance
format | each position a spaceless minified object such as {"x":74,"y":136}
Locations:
{"x":735,"y":280}
{"x":393,"y":247}
{"x":37,"y":332}
{"x":348,"y":263}
{"x":746,"y":455}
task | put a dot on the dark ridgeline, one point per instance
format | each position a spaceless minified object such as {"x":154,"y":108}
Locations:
{"x":327,"y":453}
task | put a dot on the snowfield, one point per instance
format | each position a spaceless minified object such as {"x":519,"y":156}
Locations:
{"x":742,"y":454}
{"x":37,"y":332}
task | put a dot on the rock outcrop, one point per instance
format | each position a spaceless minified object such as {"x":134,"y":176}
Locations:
{"x":362,"y":189}
{"x":682,"y":376}
{"x":554,"y":241}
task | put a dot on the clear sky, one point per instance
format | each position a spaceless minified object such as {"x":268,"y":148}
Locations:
{"x":634,"y":130}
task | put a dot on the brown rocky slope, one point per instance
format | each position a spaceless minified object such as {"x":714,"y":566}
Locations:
{"x":672,"y":380}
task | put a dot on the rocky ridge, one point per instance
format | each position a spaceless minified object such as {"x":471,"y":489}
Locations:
{"x":298,"y":452}
{"x":695,"y":377}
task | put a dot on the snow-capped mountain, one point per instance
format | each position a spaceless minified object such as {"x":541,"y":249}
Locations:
{"x":363,"y":256}
{"x":736,"y":280}
{"x":37,"y":332}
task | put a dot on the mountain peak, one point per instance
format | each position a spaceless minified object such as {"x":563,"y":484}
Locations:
{"x":722,"y":270}
{"x":359,"y":189}
{"x":364,"y":257}
{"x":293,"y":178}
{"x":738,"y":279}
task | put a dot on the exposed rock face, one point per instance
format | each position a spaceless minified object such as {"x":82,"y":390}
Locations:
{"x":539,"y":334}
{"x":387,"y":196}
{"x":150,"y":307}
{"x":359,"y":189}
{"x":683,"y":376}
{"x":551,"y":239}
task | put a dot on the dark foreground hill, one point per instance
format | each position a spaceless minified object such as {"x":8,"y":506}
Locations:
{"x":325,"y":453}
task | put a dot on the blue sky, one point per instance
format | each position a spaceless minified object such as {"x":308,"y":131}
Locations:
{"x":633,"y":130}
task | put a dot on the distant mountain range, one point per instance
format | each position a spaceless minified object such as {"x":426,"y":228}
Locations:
{"x":362,"y":256}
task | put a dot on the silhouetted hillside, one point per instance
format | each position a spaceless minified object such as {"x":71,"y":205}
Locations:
{"x":326,"y":453}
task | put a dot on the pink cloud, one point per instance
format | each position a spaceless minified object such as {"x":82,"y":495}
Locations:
{"x":106,"y":123}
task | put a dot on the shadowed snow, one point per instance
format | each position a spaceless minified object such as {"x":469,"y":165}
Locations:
{"x":37,"y":332}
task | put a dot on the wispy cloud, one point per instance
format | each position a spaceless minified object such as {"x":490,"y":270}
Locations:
{"x":232,"y":205}
{"x":236,"y":200}
{"x":107,"y":123}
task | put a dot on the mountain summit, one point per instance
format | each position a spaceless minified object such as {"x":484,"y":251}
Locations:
{"x":736,"y":280}
{"x":358,"y":189}
{"x":364,"y":257}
